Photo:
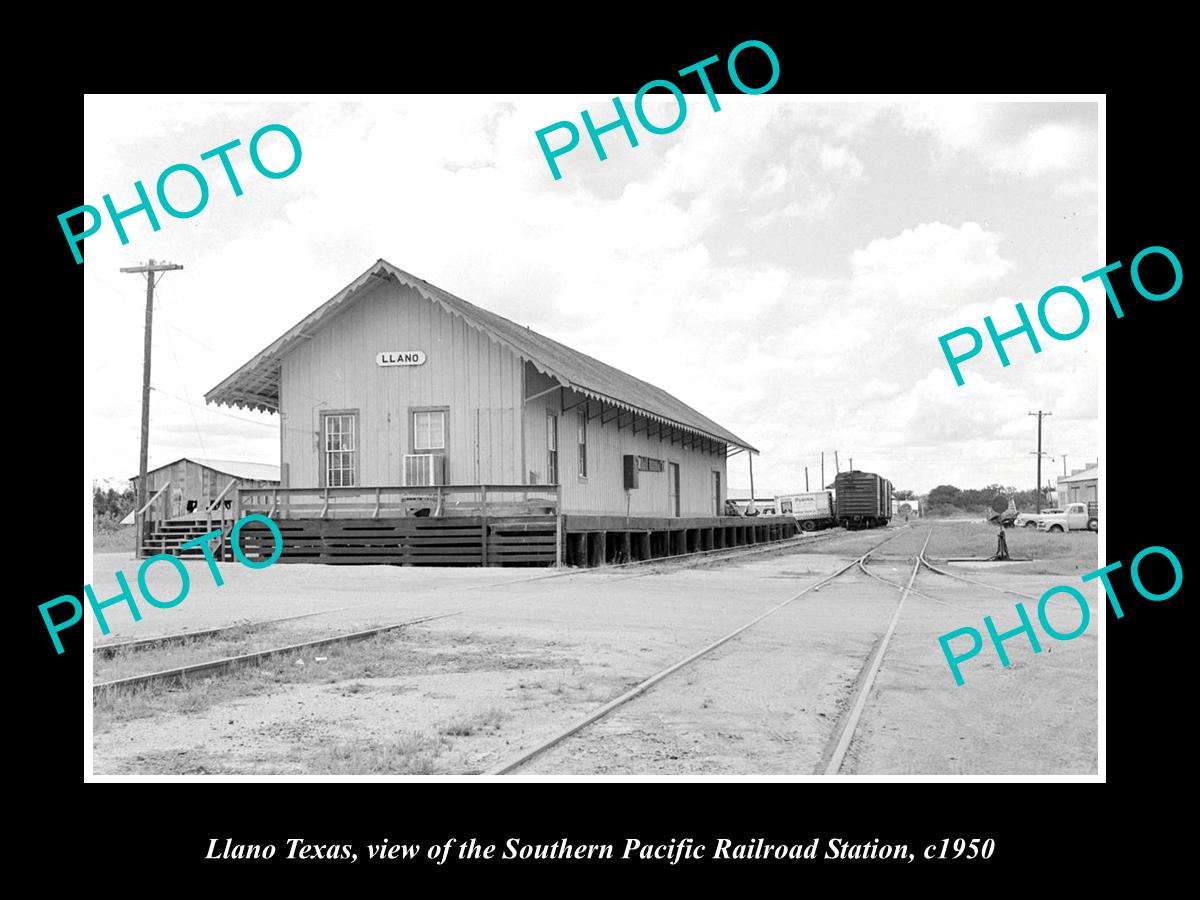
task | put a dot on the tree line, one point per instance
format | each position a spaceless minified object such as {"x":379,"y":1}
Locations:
{"x":110,"y":506}
{"x":946,"y":499}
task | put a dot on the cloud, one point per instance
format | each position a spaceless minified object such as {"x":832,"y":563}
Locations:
{"x":1004,"y":139}
{"x":928,"y":265}
{"x":755,"y":263}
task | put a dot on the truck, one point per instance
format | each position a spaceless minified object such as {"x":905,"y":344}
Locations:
{"x":1076,"y":517}
{"x":1030,"y":520}
{"x":812,"y":510}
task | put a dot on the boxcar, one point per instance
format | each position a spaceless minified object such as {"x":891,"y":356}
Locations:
{"x":862,"y":499}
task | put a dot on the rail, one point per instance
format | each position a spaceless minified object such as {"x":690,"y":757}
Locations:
{"x":383,"y":501}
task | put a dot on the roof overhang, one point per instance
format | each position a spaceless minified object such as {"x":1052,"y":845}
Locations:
{"x":255,"y":385}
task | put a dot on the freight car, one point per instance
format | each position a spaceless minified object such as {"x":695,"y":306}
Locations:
{"x":862,"y":499}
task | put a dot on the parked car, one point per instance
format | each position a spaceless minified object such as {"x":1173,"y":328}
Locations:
{"x":1030,"y":520}
{"x":1076,"y":517}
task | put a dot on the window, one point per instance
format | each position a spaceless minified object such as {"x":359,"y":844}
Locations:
{"x":649,"y":464}
{"x":583,"y":443}
{"x":551,"y":448}
{"x":340,"y":448}
{"x":429,"y":430}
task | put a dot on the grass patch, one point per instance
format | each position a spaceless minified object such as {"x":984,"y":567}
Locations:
{"x":469,"y":725}
{"x":415,"y":754}
{"x":395,"y":655}
{"x":1076,"y":550}
{"x":123,"y":538}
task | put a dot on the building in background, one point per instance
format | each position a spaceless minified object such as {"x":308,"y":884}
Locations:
{"x":194,"y":483}
{"x":1081,"y":486}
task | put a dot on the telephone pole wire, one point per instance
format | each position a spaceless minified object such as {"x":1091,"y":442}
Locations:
{"x":1040,"y":415}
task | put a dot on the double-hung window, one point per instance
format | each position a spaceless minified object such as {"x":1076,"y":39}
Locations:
{"x":340,"y":446}
{"x":427,"y":462}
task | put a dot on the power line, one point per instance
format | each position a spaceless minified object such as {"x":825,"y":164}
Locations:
{"x":183,"y":384}
{"x":1040,"y":415}
{"x":149,"y":271}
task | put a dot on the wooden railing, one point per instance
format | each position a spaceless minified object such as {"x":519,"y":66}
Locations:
{"x":392,"y":501}
{"x":142,"y":520}
{"x":218,"y":503}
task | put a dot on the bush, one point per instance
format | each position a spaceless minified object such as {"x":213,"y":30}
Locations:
{"x":107,"y":524}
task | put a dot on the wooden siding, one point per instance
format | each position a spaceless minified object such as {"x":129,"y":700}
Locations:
{"x":191,"y":481}
{"x":476,"y":378}
{"x":603,"y":491}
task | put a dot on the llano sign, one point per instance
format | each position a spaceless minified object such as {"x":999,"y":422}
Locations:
{"x":400,"y":358}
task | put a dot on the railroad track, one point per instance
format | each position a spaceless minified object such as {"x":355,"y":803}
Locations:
{"x":229,"y":663}
{"x":850,"y":725}
{"x":182,"y":637}
{"x":516,"y":762}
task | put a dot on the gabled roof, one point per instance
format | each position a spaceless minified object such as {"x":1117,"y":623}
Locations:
{"x":256,"y":384}
{"x":1091,"y":473}
{"x":235,"y":468}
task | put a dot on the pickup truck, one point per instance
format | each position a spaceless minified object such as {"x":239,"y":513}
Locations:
{"x":1076,"y":517}
{"x":1030,"y":520}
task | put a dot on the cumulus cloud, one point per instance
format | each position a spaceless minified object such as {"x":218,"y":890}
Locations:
{"x":1002,"y":139}
{"x":754,"y":263}
{"x":929,"y":264}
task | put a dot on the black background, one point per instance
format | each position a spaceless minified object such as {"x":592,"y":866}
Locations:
{"x":134,"y":834}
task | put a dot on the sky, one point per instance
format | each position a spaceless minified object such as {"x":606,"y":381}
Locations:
{"x":784,"y":266}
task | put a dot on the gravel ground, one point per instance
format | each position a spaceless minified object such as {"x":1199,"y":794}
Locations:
{"x":525,"y":658}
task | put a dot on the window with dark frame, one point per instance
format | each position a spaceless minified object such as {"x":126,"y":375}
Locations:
{"x":551,"y":448}
{"x":583,"y":443}
{"x":341,"y":449}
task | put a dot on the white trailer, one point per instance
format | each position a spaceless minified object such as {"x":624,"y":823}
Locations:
{"x":812,"y":509}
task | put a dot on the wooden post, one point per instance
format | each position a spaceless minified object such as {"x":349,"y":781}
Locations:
{"x":483,"y":539}
{"x":626,"y":546}
{"x":558,"y":541}
{"x":644,"y":551}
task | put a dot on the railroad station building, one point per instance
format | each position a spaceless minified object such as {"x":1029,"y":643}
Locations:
{"x":398,"y":399}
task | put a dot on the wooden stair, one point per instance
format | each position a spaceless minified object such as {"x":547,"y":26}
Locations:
{"x":170,"y":536}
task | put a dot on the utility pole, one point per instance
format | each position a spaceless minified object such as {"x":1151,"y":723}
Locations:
{"x":1064,"y":465}
{"x":851,"y":469}
{"x":149,"y":270}
{"x":1040,"y":415}
{"x":806,"y":479}
{"x":837,"y":466}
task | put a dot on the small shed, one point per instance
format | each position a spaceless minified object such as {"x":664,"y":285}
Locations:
{"x":196,"y":482}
